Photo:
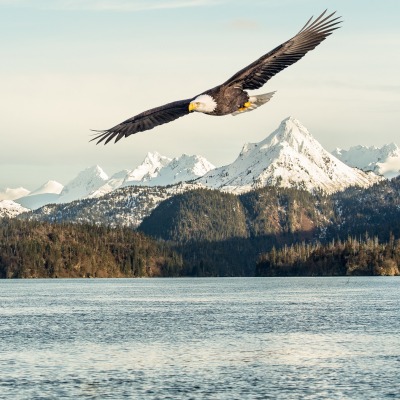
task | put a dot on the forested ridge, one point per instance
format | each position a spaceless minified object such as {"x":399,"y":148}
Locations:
{"x":42,"y":250}
{"x":362,"y":256}
{"x":211,"y":215}
{"x":197,"y":215}
{"x":206,"y":232}
{"x":375,"y":210}
{"x":220,"y":234}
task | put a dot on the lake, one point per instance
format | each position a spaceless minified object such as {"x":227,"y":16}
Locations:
{"x":216,"y":338}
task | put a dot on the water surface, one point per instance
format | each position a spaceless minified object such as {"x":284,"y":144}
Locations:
{"x":239,"y":338}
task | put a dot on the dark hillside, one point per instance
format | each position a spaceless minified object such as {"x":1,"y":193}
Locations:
{"x":212,"y":234}
{"x":197,"y":215}
{"x":375,"y":210}
{"x":281,"y":211}
{"x":367,"y":256}
{"x":42,"y":250}
{"x":221,"y":234}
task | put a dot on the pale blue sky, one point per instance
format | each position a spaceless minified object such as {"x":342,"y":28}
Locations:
{"x":68,"y":66}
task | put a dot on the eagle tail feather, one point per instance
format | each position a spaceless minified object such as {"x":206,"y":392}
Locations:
{"x":256,"y":101}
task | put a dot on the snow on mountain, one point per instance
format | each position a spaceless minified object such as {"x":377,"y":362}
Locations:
{"x":113,"y":183}
{"x":289,"y":157}
{"x":383,"y":160}
{"x":12,"y":194}
{"x":123,"y":207}
{"x":158,"y":170}
{"x":147,"y":170}
{"x":37,"y":200}
{"x":11,"y":209}
{"x":53,"y":187}
{"x":87,"y":181}
{"x":45,"y":194}
{"x":181,"y":169}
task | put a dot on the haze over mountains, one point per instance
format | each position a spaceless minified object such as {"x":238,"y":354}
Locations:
{"x":288,"y":157}
{"x":45,"y":194}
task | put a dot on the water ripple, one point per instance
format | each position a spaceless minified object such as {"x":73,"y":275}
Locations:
{"x":311,"y":338}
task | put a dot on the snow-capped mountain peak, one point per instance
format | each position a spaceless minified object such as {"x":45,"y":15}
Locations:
{"x":12,"y":194}
{"x":181,"y":169}
{"x":48,"y":187}
{"x":113,"y":183}
{"x":147,"y":170}
{"x":293,"y":134}
{"x":86,"y":182}
{"x":45,"y":194}
{"x":290,"y":134}
{"x":10,"y":209}
{"x":288,"y":157}
{"x":155,"y":158}
{"x":383,"y":160}
{"x":291,"y":131}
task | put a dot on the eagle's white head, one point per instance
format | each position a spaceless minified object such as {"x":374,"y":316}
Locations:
{"x":203,"y":103}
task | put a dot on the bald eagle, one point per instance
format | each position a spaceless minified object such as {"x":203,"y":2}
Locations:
{"x":231,"y":97}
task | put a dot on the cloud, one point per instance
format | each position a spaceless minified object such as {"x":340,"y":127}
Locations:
{"x":108,"y":5}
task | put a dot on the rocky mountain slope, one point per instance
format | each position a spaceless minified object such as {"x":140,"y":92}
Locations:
{"x":10,"y":209}
{"x":123,"y":207}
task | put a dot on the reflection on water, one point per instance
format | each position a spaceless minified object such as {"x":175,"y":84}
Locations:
{"x":244,"y":338}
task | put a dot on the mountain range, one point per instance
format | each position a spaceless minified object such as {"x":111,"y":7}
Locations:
{"x":383,"y":160}
{"x":289,"y":157}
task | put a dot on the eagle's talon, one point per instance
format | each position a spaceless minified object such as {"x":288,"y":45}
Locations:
{"x":245,"y":106}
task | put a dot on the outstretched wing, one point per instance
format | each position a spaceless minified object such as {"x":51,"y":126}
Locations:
{"x":144,"y":121}
{"x":260,"y":71}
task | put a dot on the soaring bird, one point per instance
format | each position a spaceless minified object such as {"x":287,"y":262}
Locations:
{"x":231,"y":97}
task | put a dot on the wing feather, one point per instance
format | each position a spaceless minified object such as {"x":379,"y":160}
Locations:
{"x":260,"y":71}
{"x":144,"y":121}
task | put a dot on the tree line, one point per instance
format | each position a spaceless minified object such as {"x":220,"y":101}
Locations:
{"x":353,"y":256}
{"x":30,"y":249}
{"x":206,"y":232}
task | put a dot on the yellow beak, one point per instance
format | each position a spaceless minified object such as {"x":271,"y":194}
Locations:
{"x":192,"y":106}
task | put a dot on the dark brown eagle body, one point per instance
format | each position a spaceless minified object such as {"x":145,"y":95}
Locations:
{"x":231,"y":97}
{"x":228,"y":98}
